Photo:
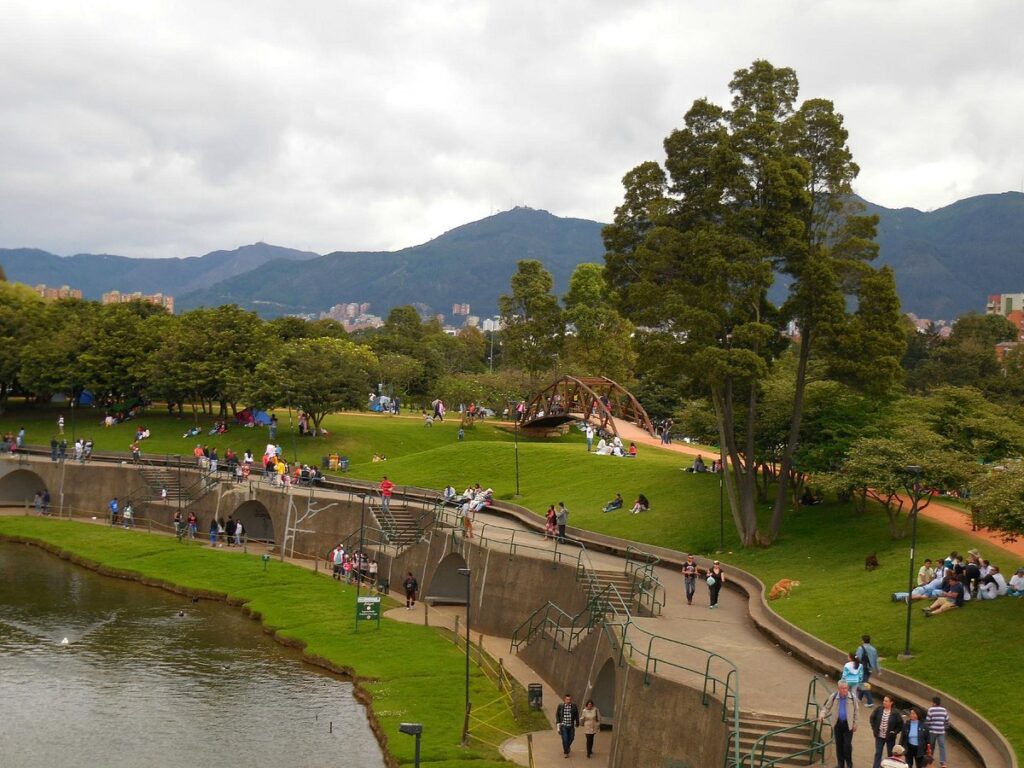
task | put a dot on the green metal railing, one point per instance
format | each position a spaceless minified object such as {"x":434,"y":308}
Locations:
{"x":819,"y":735}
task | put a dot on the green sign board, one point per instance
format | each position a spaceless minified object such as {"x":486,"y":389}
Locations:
{"x":367,"y":609}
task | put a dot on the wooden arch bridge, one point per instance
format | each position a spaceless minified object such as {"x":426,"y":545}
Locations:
{"x":596,"y":399}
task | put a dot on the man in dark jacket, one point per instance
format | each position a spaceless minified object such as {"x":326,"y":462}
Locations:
{"x":567,"y":719}
{"x":915,"y":737}
{"x":886,"y":725}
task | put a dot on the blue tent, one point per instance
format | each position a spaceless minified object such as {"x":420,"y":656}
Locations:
{"x":261,"y":418}
{"x":85,"y":397}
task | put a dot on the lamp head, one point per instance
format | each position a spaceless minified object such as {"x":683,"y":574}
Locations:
{"x":465,"y":571}
{"x":411,"y":729}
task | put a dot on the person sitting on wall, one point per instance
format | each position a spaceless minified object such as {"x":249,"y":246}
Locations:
{"x":614,"y":504}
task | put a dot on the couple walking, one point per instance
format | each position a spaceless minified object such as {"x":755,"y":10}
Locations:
{"x":569,"y":717}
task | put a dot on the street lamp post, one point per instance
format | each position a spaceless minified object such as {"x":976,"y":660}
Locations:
{"x":721,"y":500}
{"x":413,"y":729}
{"x":515,"y":431}
{"x":465,"y":727}
{"x":359,"y":554}
{"x":914,"y":489}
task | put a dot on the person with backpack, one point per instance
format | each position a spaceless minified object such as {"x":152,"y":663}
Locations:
{"x":867,"y":655}
{"x":411,"y":588}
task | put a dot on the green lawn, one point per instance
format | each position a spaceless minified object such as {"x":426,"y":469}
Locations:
{"x":823,"y":546}
{"x":411,"y":671}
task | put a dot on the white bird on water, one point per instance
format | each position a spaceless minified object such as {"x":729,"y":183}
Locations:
{"x":64,"y":641}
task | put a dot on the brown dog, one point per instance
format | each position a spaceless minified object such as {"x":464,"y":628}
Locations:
{"x":871,"y":562}
{"x":782,"y":588}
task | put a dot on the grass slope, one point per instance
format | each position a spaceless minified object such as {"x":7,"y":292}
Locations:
{"x":411,"y":672}
{"x":823,"y":546}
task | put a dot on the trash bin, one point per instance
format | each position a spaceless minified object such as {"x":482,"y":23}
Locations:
{"x":344,"y":463}
{"x":535,"y":695}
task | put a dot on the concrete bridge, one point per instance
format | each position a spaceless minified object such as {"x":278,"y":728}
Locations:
{"x":596,"y":617}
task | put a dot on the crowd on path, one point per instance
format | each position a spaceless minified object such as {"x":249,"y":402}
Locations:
{"x":911,"y":736}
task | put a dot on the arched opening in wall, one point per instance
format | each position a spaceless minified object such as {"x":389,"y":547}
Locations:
{"x":448,"y":586}
{"x":604,"y":693}
{"x":20,"y":487}
{"x":255,"y":520}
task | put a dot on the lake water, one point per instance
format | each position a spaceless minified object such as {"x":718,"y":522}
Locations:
{"x":137,"y":685}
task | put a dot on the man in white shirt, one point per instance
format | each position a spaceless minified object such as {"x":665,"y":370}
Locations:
{"x":1016,"y":586}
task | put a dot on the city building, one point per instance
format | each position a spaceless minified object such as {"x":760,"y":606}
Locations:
{"x":491,"y":324}
{"x":460,"y":309}
{"x":64,"y":292}
{"x":1004,"y":303}
{"x":159,"y":299}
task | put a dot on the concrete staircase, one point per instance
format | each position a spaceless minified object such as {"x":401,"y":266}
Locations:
{"x":778,"y":748}
{"x":623,"y":583}
{"x":187,"y":491}
{"x":400,"y":524}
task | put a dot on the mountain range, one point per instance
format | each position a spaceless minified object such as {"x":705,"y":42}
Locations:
{"x":947,"y":262}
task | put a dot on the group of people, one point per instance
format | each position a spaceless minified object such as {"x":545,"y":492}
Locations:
{"x":953,"y":581}
{"x":125,"y":516}
{"x":41,"y":502}
{"x":555,"y":520}
{"x":228,"y":533}
{"x":614,"y":447}
{"x":569,"y":717}
{"x":471,"y":501}
{"x":13,"y":441}
{"x":352,"y":566}
{"x":640,"y":505}
{"x":910,"y":737}
{"x":714,"y":577}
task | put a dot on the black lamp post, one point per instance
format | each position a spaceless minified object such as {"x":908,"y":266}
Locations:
{"x":721,"y":500}
{"x":413,"y":729}
{"x":517,"y":415}
{"x":913,"y":486}
{"x":359,"y":554}
{"x":465,"y":728}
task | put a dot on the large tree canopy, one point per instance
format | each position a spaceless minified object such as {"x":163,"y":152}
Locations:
{"x":747,"y":194}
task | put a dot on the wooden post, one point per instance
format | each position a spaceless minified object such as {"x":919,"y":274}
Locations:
{"x":456,"y":629}
{"x":480,"y":649}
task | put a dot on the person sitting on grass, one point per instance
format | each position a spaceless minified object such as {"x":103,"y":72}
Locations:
{"x":640,"y":505}
{"x":632,"y":451}
{"x":698,"y":464}
{"x":1016,"y":586}
{"x":953,"y":598}
{"x":928,"y":591}
{"x":614,"y":504}
{"x":993,"y":584}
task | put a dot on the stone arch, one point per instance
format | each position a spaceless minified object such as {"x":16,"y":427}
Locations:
{"x":256,"y":520}
{"x":603,"y":692}
{"x":20,"y":486}
{"x":447,"y":585}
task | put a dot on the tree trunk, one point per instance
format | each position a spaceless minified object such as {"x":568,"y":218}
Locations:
{"x":794,"y":433}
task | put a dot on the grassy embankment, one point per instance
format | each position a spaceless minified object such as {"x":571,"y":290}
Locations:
{"x":410,"y":672}
{"x":823,"y":546}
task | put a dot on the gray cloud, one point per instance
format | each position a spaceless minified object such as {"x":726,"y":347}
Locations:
{"x":159,"y":129}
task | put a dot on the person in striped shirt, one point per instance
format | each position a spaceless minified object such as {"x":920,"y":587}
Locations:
{"x":937,"y":720}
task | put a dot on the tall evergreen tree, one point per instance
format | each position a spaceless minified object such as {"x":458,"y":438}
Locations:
{"x":748,"y":193}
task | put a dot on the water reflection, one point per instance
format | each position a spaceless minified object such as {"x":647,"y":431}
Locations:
{"x":137,"y":684}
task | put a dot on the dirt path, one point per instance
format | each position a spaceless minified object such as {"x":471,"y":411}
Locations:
{"x":961,"y":521}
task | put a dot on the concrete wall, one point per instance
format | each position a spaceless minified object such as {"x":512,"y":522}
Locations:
{"x":657,"y":722}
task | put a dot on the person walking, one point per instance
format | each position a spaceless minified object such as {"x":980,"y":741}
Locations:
{"x":886,"y":725}
{"x":690,"y":578}
{"x":937,"y":720}
{"x":590,"y":718}
{"x":841,"y":709}
{"x":716,"y":578}
{"x":915,"y":737}
{"x":113,"y":510}
{"x":561,"y":520}
{"x":853,"y":673}
{"x":567,"y":720}
{"x":386,"y":489}
{"x":411,"y":587}
{"x":867,"y":655}
{"x":590,"y":437}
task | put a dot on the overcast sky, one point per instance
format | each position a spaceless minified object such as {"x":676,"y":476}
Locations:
{"x":175,"y":128}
